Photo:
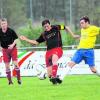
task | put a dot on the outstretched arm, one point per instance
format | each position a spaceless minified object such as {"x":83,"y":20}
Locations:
{"x":72,"y":34}
{"x":28,"y":40}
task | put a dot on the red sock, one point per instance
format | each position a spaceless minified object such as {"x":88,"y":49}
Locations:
{"x":8,"y":73}
{"x":54,"y":70}
{"x":17,"y":73}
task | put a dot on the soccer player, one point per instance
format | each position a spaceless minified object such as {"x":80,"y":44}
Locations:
{"x":86,"y":47}
{"x":52,"y":37}
{"x":8,"y":43}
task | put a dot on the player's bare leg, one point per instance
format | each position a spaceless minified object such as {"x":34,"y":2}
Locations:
{"x":49,"y":71}
{"x":95,"y":71}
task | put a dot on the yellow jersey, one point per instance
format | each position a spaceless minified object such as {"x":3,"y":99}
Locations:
{"x":88,"y":37}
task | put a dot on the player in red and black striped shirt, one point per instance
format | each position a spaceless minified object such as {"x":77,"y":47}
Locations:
{"x":52,"y":37}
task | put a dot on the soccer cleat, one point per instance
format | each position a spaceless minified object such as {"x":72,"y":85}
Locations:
{"x":19,"y":81}
{"x":50,"y":79}
{"x":58,"y":80}
{"x":10,"y":83}
{"x":53,"y":80}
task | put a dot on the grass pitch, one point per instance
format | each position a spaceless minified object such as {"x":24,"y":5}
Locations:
{"x":74,"y":87}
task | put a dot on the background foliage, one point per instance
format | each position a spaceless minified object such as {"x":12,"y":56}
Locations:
{"x":25,"y":16}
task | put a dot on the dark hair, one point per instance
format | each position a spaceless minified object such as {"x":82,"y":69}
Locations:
{"x":45,"y":22}
{"x":85,"y":18}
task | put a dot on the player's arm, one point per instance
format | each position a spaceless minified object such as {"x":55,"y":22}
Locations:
{"x":15,"y":41}
{"x":71,"y":33}
{"x":13,"y":44}
{"x":28,"y":40}
{"x":63,"y":27}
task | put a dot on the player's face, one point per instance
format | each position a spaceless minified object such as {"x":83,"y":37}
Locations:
{"x":4,"y":24}
{"x":47,"y":27}
{"x":83,"y":24}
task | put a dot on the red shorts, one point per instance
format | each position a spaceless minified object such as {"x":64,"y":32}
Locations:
{"x":48,"y":58}
{"x":9,"y":54}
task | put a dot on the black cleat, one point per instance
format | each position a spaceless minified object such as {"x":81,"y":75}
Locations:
{"x":10,"y":83}
{"x":53,"y":80}
{"x":50,"y":79}
{"x":58,"y":80}
{"x":19,"y":81}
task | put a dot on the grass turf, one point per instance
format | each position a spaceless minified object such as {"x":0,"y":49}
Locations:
{"x":74,"y":87}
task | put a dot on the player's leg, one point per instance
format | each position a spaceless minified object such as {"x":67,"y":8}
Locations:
{"x":52,"y":57}
{"x":49,"y":71}
{"x":52,"y":70}
{"x":48,"y":60}
{"x":54,"y":78}
{"x":8,"y":73}
{"x":55,"y":65}
{"x":17,"y":72}
{"x":77,"y":58}
{"x":67,"y":70}
{"x":89,"y":59}
{"x":6,"y":59}
{"x":56,"y":54}
{"x":14,"y":59}
{"x":94,"y":70}
{"x":51,"y":63}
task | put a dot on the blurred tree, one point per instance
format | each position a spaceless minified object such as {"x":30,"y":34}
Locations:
{"x":19,"y":12}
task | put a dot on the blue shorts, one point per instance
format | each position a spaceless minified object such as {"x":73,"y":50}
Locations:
{"x":84,"y":54}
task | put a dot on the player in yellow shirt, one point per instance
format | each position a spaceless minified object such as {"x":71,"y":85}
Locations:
{"x":88,"y":37}
{"x":85,"y":49}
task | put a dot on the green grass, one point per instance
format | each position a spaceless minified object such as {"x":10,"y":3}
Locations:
{"x":74,"y":87}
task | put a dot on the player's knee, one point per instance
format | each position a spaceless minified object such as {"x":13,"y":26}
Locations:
{"x":54,"y":59}
{"x":93,"y":70}
{"x":54,"y":63}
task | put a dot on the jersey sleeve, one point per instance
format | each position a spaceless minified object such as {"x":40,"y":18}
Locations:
{"x":40,"y":39}
{"x":95,"y":31}
{"x":14,"y":35}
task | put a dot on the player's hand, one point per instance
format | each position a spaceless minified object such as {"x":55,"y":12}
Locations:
{"x":23,"y":37}
{"x":76,"y":36}
{"x":11,"y":46}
